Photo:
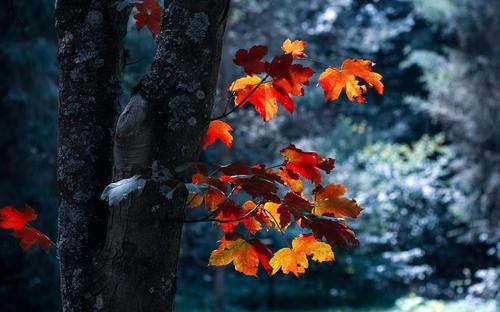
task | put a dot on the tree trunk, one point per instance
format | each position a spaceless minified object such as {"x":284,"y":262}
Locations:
{"x":160,"y":130}
{"x":90,"y":56}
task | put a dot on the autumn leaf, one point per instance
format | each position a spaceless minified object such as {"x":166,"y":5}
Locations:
{"x":218,"y":129}
{"x":215,"y":189}
{"x":11,"y":218}
{"x":251,"y":60}
{"x":296,"y":48}
{"x":213,"y":198}
{"x":291,"y":179}
{"x":226,"y":212}
{"x":256,"y":181}
{"x":288,"y":261}
{"x":307,"y":244}
{"x":149,"y":15}
{"x":229,"y":215}
{"x":30,"y":237}
{"x":333,"y":230}
{"x":254,"y":222}
{"x":330,"y":201}
{"x":288,"y":78}
{"x":334,"y":80}
{"x":263,"y":96}
{"x":306,"y":164}
{"x":297,"y":205}
{"x":245,"y":255}
{"x":280,"y":215}
{"x":294,"y":259}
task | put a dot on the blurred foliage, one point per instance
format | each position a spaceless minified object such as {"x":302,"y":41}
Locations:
{"x":423,"y":160}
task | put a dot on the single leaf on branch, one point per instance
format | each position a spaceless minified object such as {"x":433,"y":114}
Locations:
{"x":11,"y":218}
{"x":297,"y":205}
{"x":306,"y":164}
{"x":334,"y":80}
{"x":288,"y":78}
{"x":279,"y":215}
{"x":245,"y":255}
{"x":251,"y":60}
{"x":334,"y":231}
{"x":330,"y":201}
{"x":291,"y":179}
{"x":148,"y":15}
{"x":295,"y":48}
{"x":294,"y":259}
{"x":30,"y":237}
{"x":17,"y":220}
{"x":262,"y":95}
{"x":218,"y":129}
{"x":256,"y":181}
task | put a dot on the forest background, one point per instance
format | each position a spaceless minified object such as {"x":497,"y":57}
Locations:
{"x":424,"y":160}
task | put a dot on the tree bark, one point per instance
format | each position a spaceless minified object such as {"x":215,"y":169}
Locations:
{"x":160,"y":130}
{"x":90,"y":56}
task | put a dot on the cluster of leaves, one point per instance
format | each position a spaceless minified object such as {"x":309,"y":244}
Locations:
{"x":277,"y":200}
{"x":17,"y":220}
{"x":276,"y":195}
{"x":278,"y":81}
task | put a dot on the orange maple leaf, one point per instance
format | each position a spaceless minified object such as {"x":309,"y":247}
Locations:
{"x":263,"y":96}
{"x":330,"y":201}
{"x":334,"y":80}
{"x":279,"y":215}
{"x":245,"y":255}
{"x":291,"y":179}
{"x":296,"y":48}
{"x":218,"y":129}
{"x":149,"y":15}
{"x":294,"y":259}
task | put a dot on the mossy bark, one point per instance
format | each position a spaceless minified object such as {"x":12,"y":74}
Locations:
{"x":130,"y":265}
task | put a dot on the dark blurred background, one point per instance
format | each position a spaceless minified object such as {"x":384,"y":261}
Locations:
{"x":423,"y":160}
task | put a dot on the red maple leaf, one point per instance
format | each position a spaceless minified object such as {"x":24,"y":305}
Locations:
{"x":251,"y":60}
{"x":30,"y":237}
{"x":288,"y":78}
{"x":335,"y":231}
{"x":306,"y":164}
{"x":11,"y":218}
{"x":149,"y":15}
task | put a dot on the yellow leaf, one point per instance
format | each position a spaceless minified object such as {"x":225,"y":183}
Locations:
{"x":289,"y":261}
{"x":238,"y":251}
